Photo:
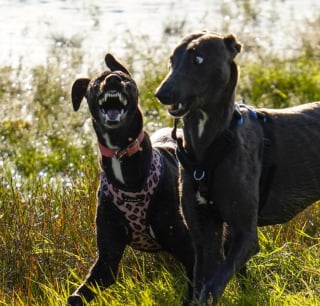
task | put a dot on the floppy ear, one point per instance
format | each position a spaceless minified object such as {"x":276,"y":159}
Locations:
{"x":114,"y":64}
{"x":232,"y":45}
{"x":78,"y":91}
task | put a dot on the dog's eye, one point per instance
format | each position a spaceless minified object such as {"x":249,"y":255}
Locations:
{"x":198,"y":59}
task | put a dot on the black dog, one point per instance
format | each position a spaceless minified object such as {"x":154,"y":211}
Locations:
{"x":243,"y":168}
{"x":138,"y":202}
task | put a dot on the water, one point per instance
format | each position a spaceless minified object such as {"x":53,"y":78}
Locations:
{"x":29,"y":27}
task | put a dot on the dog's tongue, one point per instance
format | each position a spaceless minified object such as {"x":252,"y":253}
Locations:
{"x":114,"y":114}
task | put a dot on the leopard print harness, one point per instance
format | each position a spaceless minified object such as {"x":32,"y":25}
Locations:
{"x":134,"y":205}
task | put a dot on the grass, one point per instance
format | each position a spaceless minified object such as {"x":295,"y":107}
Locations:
{"x":49,"y":176}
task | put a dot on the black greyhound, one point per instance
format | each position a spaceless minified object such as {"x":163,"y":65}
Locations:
{"x":138,"y":202}
{"x":242,"y":168}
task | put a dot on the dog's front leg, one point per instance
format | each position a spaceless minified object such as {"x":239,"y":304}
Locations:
{"x":111,"y":242}
{"x":243,"y":246}
{"x":209,"y":244}
{"x":207,"y":233}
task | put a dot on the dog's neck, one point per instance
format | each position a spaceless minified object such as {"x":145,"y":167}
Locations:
{"x":130,"y":150}
{"x":204,"y":125}
{"x":130,"y":171}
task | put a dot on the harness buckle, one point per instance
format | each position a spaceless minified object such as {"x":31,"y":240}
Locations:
{"x":120,"y":154}
{"x":131,"y":149}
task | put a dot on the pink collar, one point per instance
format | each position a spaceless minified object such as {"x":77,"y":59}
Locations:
{"x":130,"y":150}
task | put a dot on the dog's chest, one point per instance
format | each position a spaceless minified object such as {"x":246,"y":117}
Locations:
{"x":134,"y":205}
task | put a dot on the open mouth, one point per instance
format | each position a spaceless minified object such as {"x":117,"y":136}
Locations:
{"x":178,"y":110}
{"x":112,"y":106}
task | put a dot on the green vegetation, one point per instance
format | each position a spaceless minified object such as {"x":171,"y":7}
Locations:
{"x":49,"y":176}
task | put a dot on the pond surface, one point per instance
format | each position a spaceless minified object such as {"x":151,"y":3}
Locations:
{"x":29,"y":27}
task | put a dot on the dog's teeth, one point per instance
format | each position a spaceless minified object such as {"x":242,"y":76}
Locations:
{"x":112,"y":94}
{"x":123,"y":100}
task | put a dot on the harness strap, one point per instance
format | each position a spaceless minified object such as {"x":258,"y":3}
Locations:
{"x":252,"y":113}
{"x":216,"y":152}
{"x":185,"y":159}
{"x":134,"y":205}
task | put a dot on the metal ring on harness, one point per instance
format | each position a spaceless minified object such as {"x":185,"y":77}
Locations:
{"x":198,"y":177}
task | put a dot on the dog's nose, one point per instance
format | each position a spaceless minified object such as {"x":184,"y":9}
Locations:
{"x":163,"y":95}
{"x":113,"y":77}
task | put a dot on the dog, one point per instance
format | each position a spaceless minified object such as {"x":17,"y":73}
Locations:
{"x":138,"y":201}
{"x":241,"y":167}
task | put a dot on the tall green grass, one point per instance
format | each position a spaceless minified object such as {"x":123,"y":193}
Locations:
{"x":49,"y":175}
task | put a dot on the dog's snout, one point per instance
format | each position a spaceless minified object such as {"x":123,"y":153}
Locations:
{"x":113,"y":80}
{"x":113,"y":77}
{"x":163,"y":94}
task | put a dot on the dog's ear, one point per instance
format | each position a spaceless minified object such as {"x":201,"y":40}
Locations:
{"x":232,"y":45}
{"x":78,"y":91}
{"x":114,"y":64}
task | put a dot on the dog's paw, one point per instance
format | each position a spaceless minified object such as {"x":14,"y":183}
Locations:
{"x":74,"y":300}
{"x":206,"y":298}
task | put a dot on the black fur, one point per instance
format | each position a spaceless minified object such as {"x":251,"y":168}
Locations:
{"x":117,"y":131}
{"x":270,"y":173}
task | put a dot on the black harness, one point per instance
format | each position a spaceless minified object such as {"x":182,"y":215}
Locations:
{"x":216,"y":152}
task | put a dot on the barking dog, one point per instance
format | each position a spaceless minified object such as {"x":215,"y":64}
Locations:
{"x":242,"y":168}
{"x":138,"y":202}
